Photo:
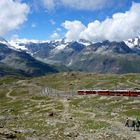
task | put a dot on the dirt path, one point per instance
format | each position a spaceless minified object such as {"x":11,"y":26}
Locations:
{"x":132,"y":83}
{"x":68,"y":111}
{"x":66,"y":106}
{"x":65,"y":103}
{"x":9,"y":96}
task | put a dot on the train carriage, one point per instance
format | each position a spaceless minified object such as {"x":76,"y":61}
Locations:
{"x":84,"y":92}
{"x":103,"y":92}
{"x":132,"y":93}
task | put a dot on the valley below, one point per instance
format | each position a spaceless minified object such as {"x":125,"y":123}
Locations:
{"x":29,"y":113}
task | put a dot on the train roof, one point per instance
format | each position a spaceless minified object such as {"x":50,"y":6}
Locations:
{"x":111,"y":90}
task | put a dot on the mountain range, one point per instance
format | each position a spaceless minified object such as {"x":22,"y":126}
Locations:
{"x":41,"y":57}
{"x":15,"y":62}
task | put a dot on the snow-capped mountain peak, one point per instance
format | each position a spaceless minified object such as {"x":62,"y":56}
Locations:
{"x":84,"y":42}
{"x":133,"y":43}
{"x":3,"y":41}
{"x":17,"y":46}
{"x":20,"y":44}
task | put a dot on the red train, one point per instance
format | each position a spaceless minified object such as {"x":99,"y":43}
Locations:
{"x":133,"y":93}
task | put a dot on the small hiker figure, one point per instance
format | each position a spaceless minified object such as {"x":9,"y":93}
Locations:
{"x":127,"y":122}
{"x":133,"y":125}
{"x":137,"y":124}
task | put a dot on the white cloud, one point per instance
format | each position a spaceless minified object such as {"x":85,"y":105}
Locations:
{"x":12,"y":15}
{"x":55,"y":35}
{"x":74,"y":29}
{"x":120,"y":27}
{"x":77,"y":4}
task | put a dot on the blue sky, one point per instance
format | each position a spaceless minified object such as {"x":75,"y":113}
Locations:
{"x":44,"y":22}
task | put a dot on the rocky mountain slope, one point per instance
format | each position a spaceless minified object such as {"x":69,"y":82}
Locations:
{"x":83,"y":55}
{"x":20,"y":63}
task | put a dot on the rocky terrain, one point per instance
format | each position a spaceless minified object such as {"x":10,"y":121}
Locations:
{"x":82,"y":55}
{"x":15,"y":62}
{"x":26,"y":113}
{"x":36,"y":58}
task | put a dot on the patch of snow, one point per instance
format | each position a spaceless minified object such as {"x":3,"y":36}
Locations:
{"x":16,"y":43}
{"x":59,"y":48}
{"x":16,"y":46}
{"x":132,"y":43}
{"x":136,"y":41}
{"x":3,"y":41}
{"x":84,"y":43}
{"x":70,"y":63}
{"x":129,"y":44}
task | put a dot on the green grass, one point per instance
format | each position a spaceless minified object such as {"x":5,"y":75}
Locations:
{"x":2,"y":93}
{"x":40,"y":98}
{"x":133,"y":112}
{"x":73,"y":81}
{"x":30,"y":110}
{"x":92,"y":124}
{"x":10,"y":79}
{"x":19,"y":92}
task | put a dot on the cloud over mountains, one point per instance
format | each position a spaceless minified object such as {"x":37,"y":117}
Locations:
{"x":12,"y":15}
{"x":120,"y":26}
